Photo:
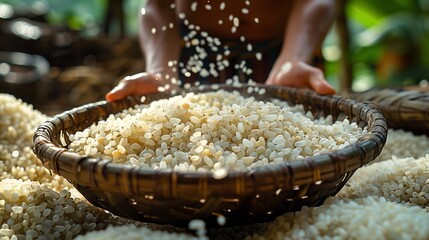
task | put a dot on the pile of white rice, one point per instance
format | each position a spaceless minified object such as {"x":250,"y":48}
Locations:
{"x":403,"y":144}
{"x":401,"y":180}
{"x":362,"y":218}
{"x":209,"y":131}
{"x":18,"y":123}
{"x":29,"y":210}
{"x":132,"y":232}
{"x":22,"y":163}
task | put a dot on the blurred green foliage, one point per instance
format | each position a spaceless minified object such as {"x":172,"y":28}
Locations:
{"x":389,"y":44}
{"x":86,"y":16}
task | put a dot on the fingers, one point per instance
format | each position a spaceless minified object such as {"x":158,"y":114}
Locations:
{"x":319,"y":84}
{"x":301,"y":75}
{"x":138,"y":84}
{"x":322,"y":87}
{"x":119,"y":92}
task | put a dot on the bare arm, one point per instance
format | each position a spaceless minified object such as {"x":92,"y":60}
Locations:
{"x":309,"y":22}
{"x":161,"y":43}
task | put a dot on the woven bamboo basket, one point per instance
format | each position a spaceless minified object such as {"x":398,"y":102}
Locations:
{"x":242,"y":197}
{"x":405,"y":108}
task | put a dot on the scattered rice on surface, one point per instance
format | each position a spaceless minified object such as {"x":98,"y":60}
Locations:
{"x":29,"y":210}
{"x":200,"y":132}
{"x":132,"y":232}
{"x":363,"y":218}
{"x":401,"y":180}
{"x":403,"y":144}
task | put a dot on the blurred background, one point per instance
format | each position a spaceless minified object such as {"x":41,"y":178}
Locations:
{"x":60,"y":54}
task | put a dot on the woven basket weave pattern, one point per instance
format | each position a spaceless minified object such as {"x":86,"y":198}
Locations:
{"x":167,"y":196}
{"x":403,"y":109}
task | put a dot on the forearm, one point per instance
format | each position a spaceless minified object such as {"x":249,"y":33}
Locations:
{"x":159,"y":37}
{"x":309,"y":23}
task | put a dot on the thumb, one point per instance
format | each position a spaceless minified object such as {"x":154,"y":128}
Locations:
{"x":119,"y":92}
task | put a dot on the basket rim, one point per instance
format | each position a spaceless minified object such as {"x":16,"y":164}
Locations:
{"x":316,"y":168}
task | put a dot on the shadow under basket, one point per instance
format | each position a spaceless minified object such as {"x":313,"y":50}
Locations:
{"x":242,"y":196}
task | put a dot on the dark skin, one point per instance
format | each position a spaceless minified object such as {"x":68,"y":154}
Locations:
{"x":302,"y":24}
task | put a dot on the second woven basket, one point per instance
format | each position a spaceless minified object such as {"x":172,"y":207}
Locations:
{"x":403,"y":108}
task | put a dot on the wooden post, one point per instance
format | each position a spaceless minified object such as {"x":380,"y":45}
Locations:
{"x":346,"y":73}
{"x":114,"y":11}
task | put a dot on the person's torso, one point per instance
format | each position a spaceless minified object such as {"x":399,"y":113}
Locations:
{"x":255,"y":20}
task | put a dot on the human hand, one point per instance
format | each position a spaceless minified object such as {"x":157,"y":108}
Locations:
{"x":301,"y":75}
{"x":138,"y":84}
